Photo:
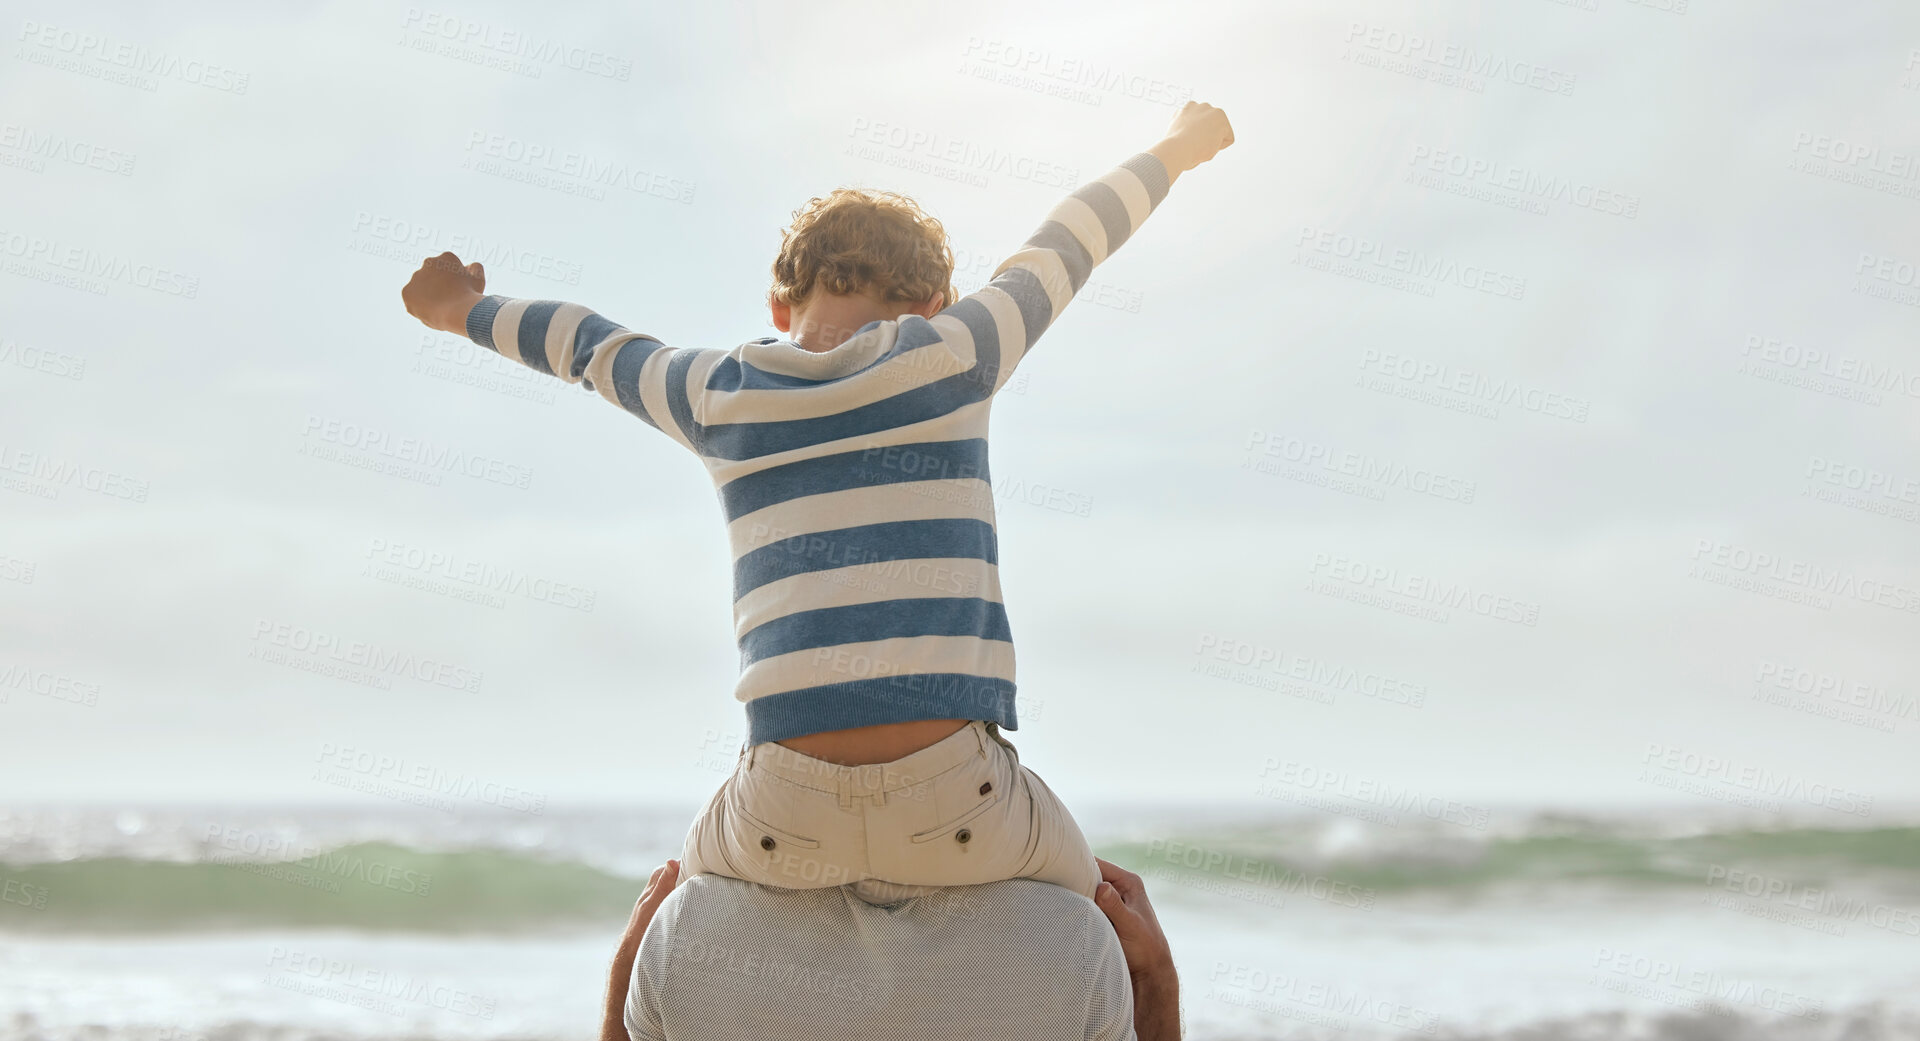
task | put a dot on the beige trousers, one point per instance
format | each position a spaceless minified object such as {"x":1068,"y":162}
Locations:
{"x":960,"y":812}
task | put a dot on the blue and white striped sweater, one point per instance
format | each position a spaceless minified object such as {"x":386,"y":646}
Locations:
{"x":854,"y":481}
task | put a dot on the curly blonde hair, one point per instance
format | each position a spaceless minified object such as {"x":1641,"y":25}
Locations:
{"x":857,"y":240}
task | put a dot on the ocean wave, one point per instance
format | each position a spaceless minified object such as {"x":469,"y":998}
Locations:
{"x":159,"y":871}
{"x":371,"y":887}
{"x":1757,"y":862}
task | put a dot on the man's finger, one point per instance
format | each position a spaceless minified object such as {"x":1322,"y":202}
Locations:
{"x":659,"y":884}
{"x":662,"y":882}
{"x":1126,"y":923}
{"x":1125,"y":881}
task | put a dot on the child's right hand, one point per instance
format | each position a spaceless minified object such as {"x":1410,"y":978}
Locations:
{"x":442,"y":292}
{"x":1198,"y":133}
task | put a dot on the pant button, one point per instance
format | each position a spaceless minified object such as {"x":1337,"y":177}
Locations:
{"x":964,"y":835}
{"x":766,"y":843}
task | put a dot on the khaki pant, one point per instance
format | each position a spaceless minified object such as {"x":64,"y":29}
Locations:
{"x":960,"y":812}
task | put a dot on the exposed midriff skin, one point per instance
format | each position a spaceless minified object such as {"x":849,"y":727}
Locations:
{"x":883,"y":743}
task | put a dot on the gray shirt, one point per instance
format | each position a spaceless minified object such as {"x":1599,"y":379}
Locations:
{"x":1018,"y":960}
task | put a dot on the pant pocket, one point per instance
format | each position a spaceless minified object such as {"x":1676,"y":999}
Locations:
{"x":767,"y":810}
{"x":953,"y":826}
{"x":978,"y":815}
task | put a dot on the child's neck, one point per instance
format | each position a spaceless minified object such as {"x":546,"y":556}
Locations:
{"x":830,"y":321}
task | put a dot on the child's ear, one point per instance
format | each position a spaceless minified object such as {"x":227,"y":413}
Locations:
{"x":931,"y":305}
{"x":782,"y":313}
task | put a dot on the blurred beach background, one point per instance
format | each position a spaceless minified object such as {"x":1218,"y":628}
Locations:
{"x":178,"y":924}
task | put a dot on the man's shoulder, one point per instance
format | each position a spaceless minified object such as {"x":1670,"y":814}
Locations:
{"x":1014,"y":905}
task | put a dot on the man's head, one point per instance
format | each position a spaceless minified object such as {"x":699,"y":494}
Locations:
{"x":854,"y":256}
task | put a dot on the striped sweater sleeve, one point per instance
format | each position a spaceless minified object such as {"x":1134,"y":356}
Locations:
{"x":632,"y":370}
{"x":1030,"y":288}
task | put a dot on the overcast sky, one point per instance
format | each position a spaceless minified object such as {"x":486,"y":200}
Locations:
{"x":1524,"y":410}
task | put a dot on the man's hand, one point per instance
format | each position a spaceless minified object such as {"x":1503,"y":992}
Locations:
{"x":1122,"y":897}
{"x":614,"y":1026}
{"x":442,"y":292}
{"x":1197,"y":134}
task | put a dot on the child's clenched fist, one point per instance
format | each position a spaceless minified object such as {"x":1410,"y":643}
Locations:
{"x":442,"y":292}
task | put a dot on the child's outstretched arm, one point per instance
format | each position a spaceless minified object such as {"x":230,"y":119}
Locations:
{"x":1030,"y":288}
{"x":632,"y":370}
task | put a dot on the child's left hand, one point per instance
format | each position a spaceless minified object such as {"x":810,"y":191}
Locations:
{"x":442,"y":292}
